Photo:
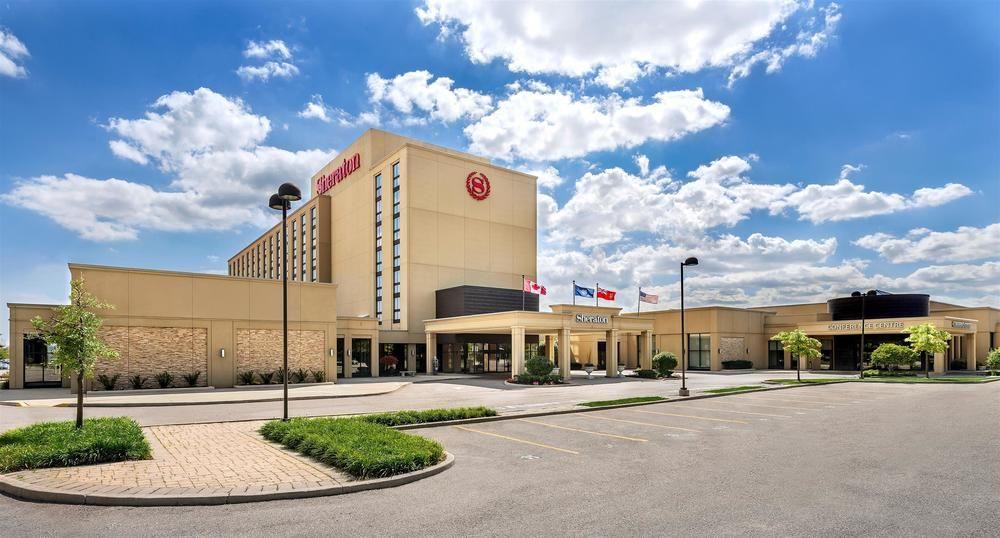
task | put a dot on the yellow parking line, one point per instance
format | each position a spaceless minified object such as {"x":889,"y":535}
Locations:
{"x":688,"y":416}
{"x":646,"y":424}
{"x":516,"y":440}
{"x":585,"y":431}
{"x":732,"y":411}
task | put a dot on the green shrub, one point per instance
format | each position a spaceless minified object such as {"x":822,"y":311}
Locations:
{"x":647,"y":374}
{"x":664,"y":362}
{"x":622,"y":401}
{"x":360,"y":448}
{"x":529,"y":379}
{"x":538,"y":366}
{"x":993,"y":359}
{"x":164,"y":379}
{"x":319,"y":376}
{"x":136,"y":381}
{"x":247,"y":377}
{"x":891,"y":356}
{"x":279,"y":375}
{"x":400,"y":418}
{"x":60,"y":444}
{"x":266,"y":377}
{"x":869,"y":373}
{"x":192,"y":378}
{"x":299,"y":376}
{"x":108,"y":382}
{"x":737,"y":364}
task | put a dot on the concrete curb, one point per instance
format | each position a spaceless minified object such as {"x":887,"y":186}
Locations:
{"x":23,"y":490}
{"x":223,"y":402}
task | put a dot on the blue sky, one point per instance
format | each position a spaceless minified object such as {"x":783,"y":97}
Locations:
{"x":854,"y":145}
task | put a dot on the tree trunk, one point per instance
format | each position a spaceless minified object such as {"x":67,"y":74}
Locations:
{"x":79,"y":400}
{"x":798,"y":370}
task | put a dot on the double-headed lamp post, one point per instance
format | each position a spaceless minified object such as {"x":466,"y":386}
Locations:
{"x":861,"y":364}
{"x":684,"y":390}
{"x":287,"y":193}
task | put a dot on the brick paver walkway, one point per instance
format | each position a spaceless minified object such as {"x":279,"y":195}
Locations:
{"x":202,"y":459}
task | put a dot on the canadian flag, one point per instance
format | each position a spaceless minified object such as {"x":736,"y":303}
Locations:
{"x":607,"y":295}
{"x":530,"y":286}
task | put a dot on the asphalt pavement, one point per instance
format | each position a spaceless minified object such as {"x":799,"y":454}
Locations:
{"x":836,"y":460}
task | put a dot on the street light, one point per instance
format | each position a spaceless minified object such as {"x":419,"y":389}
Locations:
{"x":861,"y":365}
{"x":684,"y":390}
{"x":287,"y":193}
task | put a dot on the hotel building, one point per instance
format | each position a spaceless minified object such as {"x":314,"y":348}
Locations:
{"x":408,"y":257}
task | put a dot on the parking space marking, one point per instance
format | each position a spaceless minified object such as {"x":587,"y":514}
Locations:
{"x":772,"y":399}
{"x":646,"y":424}
{"x":688,"y":416}
{"x":782,"y":407}
{"x":584,"y":431}
{"x":821,"y":400}
{"x":516,"y":440}
{"x":732,"y":411}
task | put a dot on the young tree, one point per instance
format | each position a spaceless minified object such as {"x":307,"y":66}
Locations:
{"x":926,"y":338}
{"x":889,"y":356}
{"x":993,"y":360}
{"x":73,"y":329}
{"x":799,"y":343}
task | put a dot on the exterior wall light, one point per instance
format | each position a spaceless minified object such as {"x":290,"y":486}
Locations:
{"x":222,"y":352}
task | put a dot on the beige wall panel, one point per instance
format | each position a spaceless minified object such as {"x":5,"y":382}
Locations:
{"x":161,"y":295}
{"x":502,"y":197}
{"x":451,"y":242}
{"x":422,"y":181}
{"x":502,"y":251}
{"x":423,"y":238}
{"x":478,"y":245}
{"x":452,"y":197}
{"x":220,"y":298}
{"x":109,"y":286}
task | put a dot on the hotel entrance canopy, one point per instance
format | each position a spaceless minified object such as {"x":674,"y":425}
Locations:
{"x":562,"y":322}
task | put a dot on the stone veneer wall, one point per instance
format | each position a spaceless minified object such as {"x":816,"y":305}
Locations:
{"x":260,"y":350}
{"x":732,"y":348}
{"x":147,"y":351}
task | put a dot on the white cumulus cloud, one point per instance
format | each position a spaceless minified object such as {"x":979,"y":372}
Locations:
{"x":12,"y":51}
{"x":267,"y":71}
{"x":542,"y":126}
{"x":211,"y":148}
{"x":621,"y":41}
{"x":316,"y":109}
{"x":277,"y":57}
{"x":966,"y":243}
{"x":274,"y":48}
{"x":415,"y":92}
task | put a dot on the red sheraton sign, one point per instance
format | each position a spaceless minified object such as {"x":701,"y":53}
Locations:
{"x":346,"y":168}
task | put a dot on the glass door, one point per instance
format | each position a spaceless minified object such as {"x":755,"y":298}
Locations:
{"x":361,"y":357}
{"x":37,"y":370}
{"x":340,"y":356}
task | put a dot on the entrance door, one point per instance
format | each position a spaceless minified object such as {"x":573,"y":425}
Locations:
{"x":775,"y":355}
{"x":361,"y":357}
{"x":37,"y":370}
{"x":602,"y":355}
{"x":340,"y":357}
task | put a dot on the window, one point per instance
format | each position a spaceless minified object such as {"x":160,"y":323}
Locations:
{"x":775,"y":355}
{"x":396,"y":311}
{"x":699,"y":351}
{"x":279,"y":251}
{"x":312,"y":244}
{"x":291,"y":262}
{"x":378,"y":248}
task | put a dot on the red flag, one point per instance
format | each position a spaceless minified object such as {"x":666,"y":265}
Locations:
{"x":607,"y":295}
{"x":530,"y":286}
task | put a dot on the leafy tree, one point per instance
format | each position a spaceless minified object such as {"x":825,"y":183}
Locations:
{"x":73,"y":329}
{"x":993,"y":360}
{"x":4,"y":353}
{"x":799,"y":343}
{"x":889,"y":356}
{"x":664,"y":363}
{"x":926,"y":338}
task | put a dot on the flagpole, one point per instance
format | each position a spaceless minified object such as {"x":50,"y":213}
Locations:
{"x":597,"y":294}
{"x":574,"y":293}
{"x":638,"y":303}
{"x":522,"y":292}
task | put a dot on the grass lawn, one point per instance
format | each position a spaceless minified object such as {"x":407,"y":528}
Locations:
{"x":60,"y":444}
{"x":636,"y":399}
{"x":741,"y":388}
{"x":887,"y":379}
{"x":358,"y":447}
{"x":401,"y":418}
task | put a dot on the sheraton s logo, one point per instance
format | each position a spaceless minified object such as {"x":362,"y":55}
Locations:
{"x":338,"y":174}
{"x":478,"y":186}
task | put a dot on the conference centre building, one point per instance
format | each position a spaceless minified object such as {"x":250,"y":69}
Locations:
{"x":406,"y":257}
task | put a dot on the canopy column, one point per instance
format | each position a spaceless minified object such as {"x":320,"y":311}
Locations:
{"x":431,"y":354}
{"x":564,"y":354}
{"x":646,"y":350}
{"x":516,"y":350}
{"x":611,"y":353}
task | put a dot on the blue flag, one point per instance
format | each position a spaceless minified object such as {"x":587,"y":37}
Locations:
{"x":581,"y":291}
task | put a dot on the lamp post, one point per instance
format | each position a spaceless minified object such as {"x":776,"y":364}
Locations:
{"x":684,"y":390}
{"x":287,"y":193}
{"x":861,"y":364}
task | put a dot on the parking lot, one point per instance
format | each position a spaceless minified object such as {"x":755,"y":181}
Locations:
{"x":836,"y":460}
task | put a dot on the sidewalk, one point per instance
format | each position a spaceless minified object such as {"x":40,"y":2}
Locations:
{"x":197,"y":464}
{"x":196,"y":396}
